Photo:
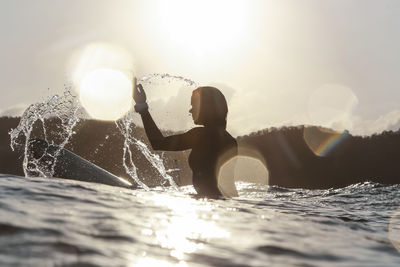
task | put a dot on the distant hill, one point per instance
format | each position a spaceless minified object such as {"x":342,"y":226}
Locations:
{"x":315,"y":157}
{"x":303,"y":156}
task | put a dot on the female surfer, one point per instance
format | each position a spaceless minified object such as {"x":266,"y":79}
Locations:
{"x":211,"y":144}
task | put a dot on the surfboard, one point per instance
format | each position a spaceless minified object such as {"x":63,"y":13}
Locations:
{"x":69,"y":165}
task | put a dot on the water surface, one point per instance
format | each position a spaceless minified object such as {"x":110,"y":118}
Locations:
{"x":47,"y":222}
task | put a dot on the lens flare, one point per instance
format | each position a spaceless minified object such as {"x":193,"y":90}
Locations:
{"x":323,"y":141}
{"x":247,"y":168}
{"x":251,"y":170}
{"x":102,"y":74}
{"x":106,"y":94}
{"x":332,"y":105}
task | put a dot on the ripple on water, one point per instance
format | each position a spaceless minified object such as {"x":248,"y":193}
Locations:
{"x":46,"y":222}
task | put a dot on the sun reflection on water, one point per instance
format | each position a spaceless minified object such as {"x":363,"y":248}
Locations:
{"x":187,"y":227}
{"x":394,"y":229}
{"x":153,"y":262}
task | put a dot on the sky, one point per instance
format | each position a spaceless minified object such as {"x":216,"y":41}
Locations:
{"x":333,"y":63}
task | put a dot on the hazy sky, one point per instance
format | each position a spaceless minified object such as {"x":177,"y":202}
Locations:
{"x":332,"y":62}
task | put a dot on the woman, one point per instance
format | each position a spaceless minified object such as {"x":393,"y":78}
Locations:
{"x":211,"y":144}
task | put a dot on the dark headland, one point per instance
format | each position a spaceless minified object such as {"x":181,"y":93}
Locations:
{"x":296,"y":157}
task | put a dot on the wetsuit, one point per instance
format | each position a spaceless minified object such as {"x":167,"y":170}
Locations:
{"x":211,"y":148}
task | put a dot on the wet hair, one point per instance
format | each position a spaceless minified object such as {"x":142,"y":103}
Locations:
{"x":213,"y":106}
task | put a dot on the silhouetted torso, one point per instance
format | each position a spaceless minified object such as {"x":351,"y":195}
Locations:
{"x":211,"y":148}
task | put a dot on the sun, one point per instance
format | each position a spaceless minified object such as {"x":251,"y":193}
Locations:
{"x":205,"y":27}
{"x":106,"y":94}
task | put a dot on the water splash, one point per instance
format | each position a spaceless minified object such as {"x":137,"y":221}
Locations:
{"x":125,"y":127}
{"x":67,"y":109}
{"x":165,"y":77}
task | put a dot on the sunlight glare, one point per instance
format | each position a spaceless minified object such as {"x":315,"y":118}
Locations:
{"x":102,"y":74}
{"x":190,"y":223}
{"x":150,"y":262}
{"x":203,"y":27}
{"x":394,"y":229}
{"x":106,"y":94}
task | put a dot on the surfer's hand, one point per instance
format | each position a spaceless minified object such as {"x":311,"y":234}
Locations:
{"x":139,"y":95}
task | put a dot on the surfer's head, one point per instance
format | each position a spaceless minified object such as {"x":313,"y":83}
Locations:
{"x":209,"y":107}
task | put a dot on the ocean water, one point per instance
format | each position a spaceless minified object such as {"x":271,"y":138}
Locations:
{"x":56,"y":222}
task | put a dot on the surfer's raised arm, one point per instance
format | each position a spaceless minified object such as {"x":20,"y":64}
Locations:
{"x":157,"y":140}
